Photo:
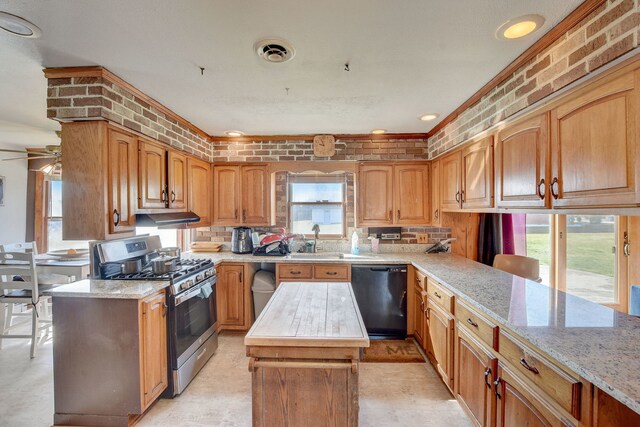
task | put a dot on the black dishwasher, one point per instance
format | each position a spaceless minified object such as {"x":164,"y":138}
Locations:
{"x":381,"y":293}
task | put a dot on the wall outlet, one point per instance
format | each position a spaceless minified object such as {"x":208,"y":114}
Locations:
{"x":423,"y":238}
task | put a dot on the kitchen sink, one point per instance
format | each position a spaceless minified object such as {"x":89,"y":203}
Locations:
{"x":312,"y":256}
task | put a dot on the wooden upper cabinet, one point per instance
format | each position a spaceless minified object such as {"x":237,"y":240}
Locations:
{"x":153,"y":339}
{"x":375,"y":195}
{"x":450,"y":175}
{"x":152,"y":176}
{"x":436,"y":209}
{"x":226,"y":195}
{"x":121,"y":165}
{"x":199,"y":190}
{"x":521,"y":171}
{"x":178,"y":180}
{"x":411,"y":192}
{"x":255,"y":188}
{"x":593,"y":140}
{"x":477,"y":174}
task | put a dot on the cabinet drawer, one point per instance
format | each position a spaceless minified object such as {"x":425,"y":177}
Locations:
{"x":295,"y":271}
{"x":483,"y":329}
{"x":332,"y":272}
{"x":560,"y":386}
{"x":440,"y":295}
{"x":421,"y":281}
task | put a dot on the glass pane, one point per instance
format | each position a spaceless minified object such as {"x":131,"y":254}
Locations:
{"x":538,"y":232}
{"x":328,"y":217}
{"x":54,"y":238}
{"x":591,"y":257}
{"x":56,"y":198}
{"x":317,"y":192}
{"x":168,"y":237}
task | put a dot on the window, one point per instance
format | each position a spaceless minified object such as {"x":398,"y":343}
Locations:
{"x":578,"y":254}
{"x":317,"y":199}
{"x":168,"y":237}
{"x":53,"y":218}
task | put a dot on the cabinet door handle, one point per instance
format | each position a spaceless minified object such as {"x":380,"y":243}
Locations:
{"x":244,"y":215}
{"x":496,"y":384}
{"x":426,"y":313}
{"x":487,"y":372}
{"x":421,"y":305}
{"x":390,"y":214}
{"x":436,"y":294}
{"x":163,"y":196}
{"x":116,"y":217}
{"x":462,"y":196}
{"x":398,"y":213}
{"x":235,"y":214}
{"x":530,"y":368}
{"x":457,"y":196}
{"x":331,"y":273}
{"x":165,"y":307}
{"x":173,"y":196}
{"x":437,"y":213}
{"x":541,"y":189}
{"x":472,"y":323}
{"x":553,"y":185}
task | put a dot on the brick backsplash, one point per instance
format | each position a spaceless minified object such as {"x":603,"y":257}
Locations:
{"x":608,"y":32}
{"x":96,"y":98}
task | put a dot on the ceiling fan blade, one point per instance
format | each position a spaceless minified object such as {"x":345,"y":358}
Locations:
{"x":31,"y":158}
{"x":13,"y":151}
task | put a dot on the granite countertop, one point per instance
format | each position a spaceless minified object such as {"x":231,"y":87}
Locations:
{"x":598,"y":343}
{"x":121,"y":289}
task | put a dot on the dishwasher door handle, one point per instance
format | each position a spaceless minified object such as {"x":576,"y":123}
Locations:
{"x":387,"y":269}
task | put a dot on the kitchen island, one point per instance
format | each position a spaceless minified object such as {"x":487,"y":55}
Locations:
{"x":304,"y":351}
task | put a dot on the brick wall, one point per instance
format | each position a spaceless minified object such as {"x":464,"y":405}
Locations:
{"x":273,"y":151}
{"x":607,"y":33}
{"x":96,"y":98}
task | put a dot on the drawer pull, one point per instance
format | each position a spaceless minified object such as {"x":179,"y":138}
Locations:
{"x":496,"y":384}
{"x":487,"y":372}
{"x":524,"y":363}
{"x":472,"y":323}
{"x":331,"y":273}
{"x":436,"y":294}
{"x":295,"y":272}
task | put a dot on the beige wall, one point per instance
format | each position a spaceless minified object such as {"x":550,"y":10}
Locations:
{"x":14,"y":212}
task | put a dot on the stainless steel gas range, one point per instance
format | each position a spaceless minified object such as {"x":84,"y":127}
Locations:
{"x":191,"y":301}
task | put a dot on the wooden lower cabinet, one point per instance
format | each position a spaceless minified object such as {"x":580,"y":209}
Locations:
{"x":475,"y":367}
{"x":231,"y":296}
{"x":441,"y":324}
{"x":518,"y":404}
{"x":419,"y":320}
{"x":153,"y":342}
{"x":608,"y":412}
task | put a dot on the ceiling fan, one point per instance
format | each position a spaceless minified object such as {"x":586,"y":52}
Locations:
{"x":53,"y":152}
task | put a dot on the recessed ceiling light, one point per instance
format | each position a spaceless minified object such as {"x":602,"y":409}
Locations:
{"x":428,"y":117}
{"x":378,"y":131}
{"x":233,"y":133}
{"x":18,"y":26}
{"x":519,"y":27}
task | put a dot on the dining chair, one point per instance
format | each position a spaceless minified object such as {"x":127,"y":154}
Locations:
{"x":19,"y":285}
{"x":519,"y":265}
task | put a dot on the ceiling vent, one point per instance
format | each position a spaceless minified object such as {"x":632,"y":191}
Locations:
{"x":275,"y":50}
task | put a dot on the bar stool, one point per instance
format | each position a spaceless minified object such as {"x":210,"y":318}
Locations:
{"x":518,"y":265}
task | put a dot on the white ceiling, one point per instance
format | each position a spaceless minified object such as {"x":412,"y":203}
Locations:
{"x":407,"y":58}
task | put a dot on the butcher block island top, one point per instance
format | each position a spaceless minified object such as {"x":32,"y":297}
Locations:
{"x":305,"y":314}
{"x":304,"y":354}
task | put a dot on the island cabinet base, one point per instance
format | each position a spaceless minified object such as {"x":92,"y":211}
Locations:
{"x":297,"y":386}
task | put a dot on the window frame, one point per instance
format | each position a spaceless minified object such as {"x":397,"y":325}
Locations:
{"x":322,"y":179}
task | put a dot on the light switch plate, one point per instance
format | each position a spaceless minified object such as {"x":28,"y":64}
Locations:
{"x":423,"y":238}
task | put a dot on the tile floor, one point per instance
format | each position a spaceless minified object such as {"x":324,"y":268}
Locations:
{"x":408,"y":394}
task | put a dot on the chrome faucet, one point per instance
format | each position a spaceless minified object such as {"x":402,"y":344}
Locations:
{"x":316,"y":231}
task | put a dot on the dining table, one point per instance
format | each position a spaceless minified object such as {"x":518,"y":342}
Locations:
{"x":77,"y":268}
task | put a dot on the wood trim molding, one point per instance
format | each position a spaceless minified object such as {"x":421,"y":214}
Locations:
{"x":70,"y":72}
{"x":338,"y":137}
{"x":327,"y":166}
{"x":545,"y":41}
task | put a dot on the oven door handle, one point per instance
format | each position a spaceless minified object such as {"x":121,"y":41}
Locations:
{"x":194,"y":292}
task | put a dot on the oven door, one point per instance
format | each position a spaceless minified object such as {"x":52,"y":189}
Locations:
{"x":192,"y":320}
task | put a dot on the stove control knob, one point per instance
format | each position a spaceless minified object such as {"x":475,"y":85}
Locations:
{"x":199,"y":277}
{"x":186,"y":284}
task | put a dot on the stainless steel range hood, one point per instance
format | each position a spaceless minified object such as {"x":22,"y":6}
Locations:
{"x":166,"y":220}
